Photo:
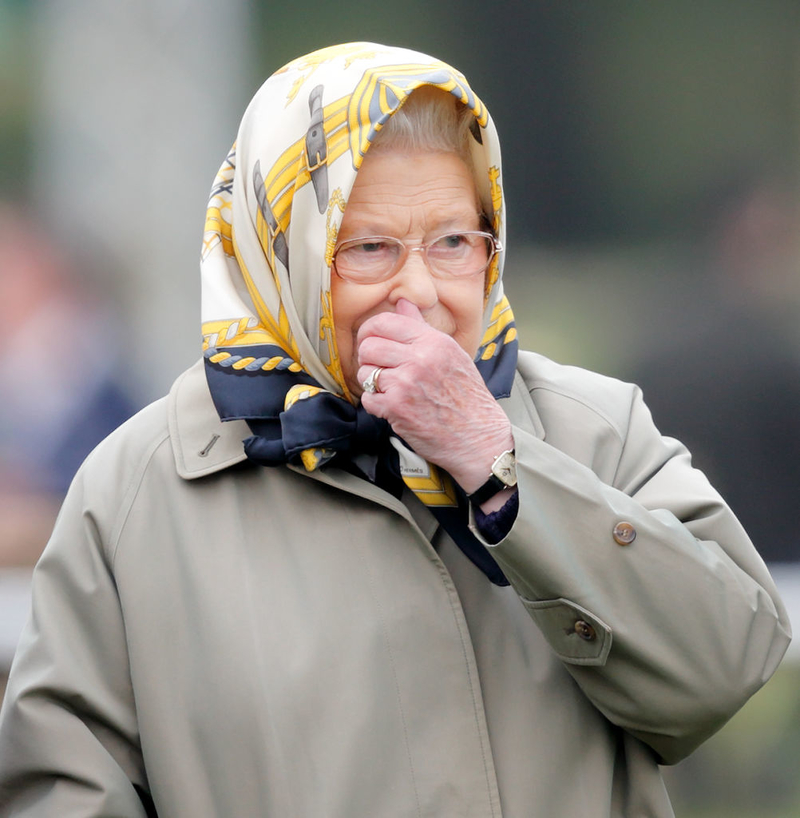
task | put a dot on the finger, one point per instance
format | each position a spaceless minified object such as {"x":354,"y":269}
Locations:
{"x":376,"y":350}
{"x":409,"y":309}
{"x":393,"y":326}
{"x":365,"y":372}
{"x":374,"y":404}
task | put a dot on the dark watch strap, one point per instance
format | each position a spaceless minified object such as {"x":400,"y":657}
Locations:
{"x":494,"y":485}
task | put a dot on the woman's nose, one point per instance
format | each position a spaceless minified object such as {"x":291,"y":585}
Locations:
{"x":415,"y":282}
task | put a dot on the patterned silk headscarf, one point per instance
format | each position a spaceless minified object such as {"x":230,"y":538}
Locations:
{"x":273,"y":216}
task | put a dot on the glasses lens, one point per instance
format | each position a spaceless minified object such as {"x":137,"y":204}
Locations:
{"x":452,"y":255}
{"x":460,"y":254}
{"x":368,"y":259}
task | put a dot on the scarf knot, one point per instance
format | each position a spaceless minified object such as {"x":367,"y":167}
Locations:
{"x":313,"y":429}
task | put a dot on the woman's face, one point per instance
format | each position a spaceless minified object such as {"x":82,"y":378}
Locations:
{"x":414,"y":197}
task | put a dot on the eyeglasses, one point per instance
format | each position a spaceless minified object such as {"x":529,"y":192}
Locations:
{"x":454,"y":255}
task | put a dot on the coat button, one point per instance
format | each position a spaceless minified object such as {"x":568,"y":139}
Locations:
{"x":585,"y":630}
{"x":624,"y":533}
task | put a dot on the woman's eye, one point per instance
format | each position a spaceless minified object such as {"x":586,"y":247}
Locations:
{"x":449,"y":244}
{"x":453,"y":240}
{"x":365,"y":248}
{"x":371,"y":246}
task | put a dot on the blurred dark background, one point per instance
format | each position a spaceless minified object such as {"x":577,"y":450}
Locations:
{"x":651,"y":158}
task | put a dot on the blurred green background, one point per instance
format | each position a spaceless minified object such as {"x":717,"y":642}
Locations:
{"x":651,"y":156}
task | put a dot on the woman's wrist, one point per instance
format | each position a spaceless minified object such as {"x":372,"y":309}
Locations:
{"x":476,"y":468}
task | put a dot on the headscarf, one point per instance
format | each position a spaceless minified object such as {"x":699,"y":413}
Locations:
{"x":273,"y":216}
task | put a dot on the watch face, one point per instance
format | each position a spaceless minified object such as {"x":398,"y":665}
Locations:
{"x":505,"y":468}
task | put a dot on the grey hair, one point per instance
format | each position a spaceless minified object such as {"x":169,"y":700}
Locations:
{"x":433,"y":120}
{"x":429,"y":120}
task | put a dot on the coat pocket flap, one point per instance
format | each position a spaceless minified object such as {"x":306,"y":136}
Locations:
{"x":577,"y":636}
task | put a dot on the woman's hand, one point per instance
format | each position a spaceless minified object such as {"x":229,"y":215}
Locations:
{"x":432,"y":394}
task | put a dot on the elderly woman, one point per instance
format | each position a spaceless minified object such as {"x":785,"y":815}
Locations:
{"x":366,"y":560}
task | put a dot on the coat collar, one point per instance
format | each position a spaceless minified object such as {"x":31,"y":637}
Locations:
{"x":202,"y":444}
{"x":520,"y":408}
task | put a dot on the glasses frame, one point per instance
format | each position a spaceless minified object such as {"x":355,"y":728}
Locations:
{"x":496,"y":247}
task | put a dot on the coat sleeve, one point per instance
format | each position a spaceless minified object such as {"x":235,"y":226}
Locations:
{"x":68,"y":733}
{"x":640,"y":577}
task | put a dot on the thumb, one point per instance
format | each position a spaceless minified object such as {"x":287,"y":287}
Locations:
{"x":409,"y":309}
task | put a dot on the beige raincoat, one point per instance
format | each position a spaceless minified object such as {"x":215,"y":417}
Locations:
{"x":244,"y":641}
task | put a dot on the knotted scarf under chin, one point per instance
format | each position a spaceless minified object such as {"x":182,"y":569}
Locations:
{"x":318,"y":427}
{"x":326,"y":423}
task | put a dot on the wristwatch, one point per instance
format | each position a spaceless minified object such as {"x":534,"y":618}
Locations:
{"x":504,"y":476}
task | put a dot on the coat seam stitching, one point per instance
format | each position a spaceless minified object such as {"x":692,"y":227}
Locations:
{"x":130,"y":495}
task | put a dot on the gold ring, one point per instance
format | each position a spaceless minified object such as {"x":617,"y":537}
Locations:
{"x":371,"y":383}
